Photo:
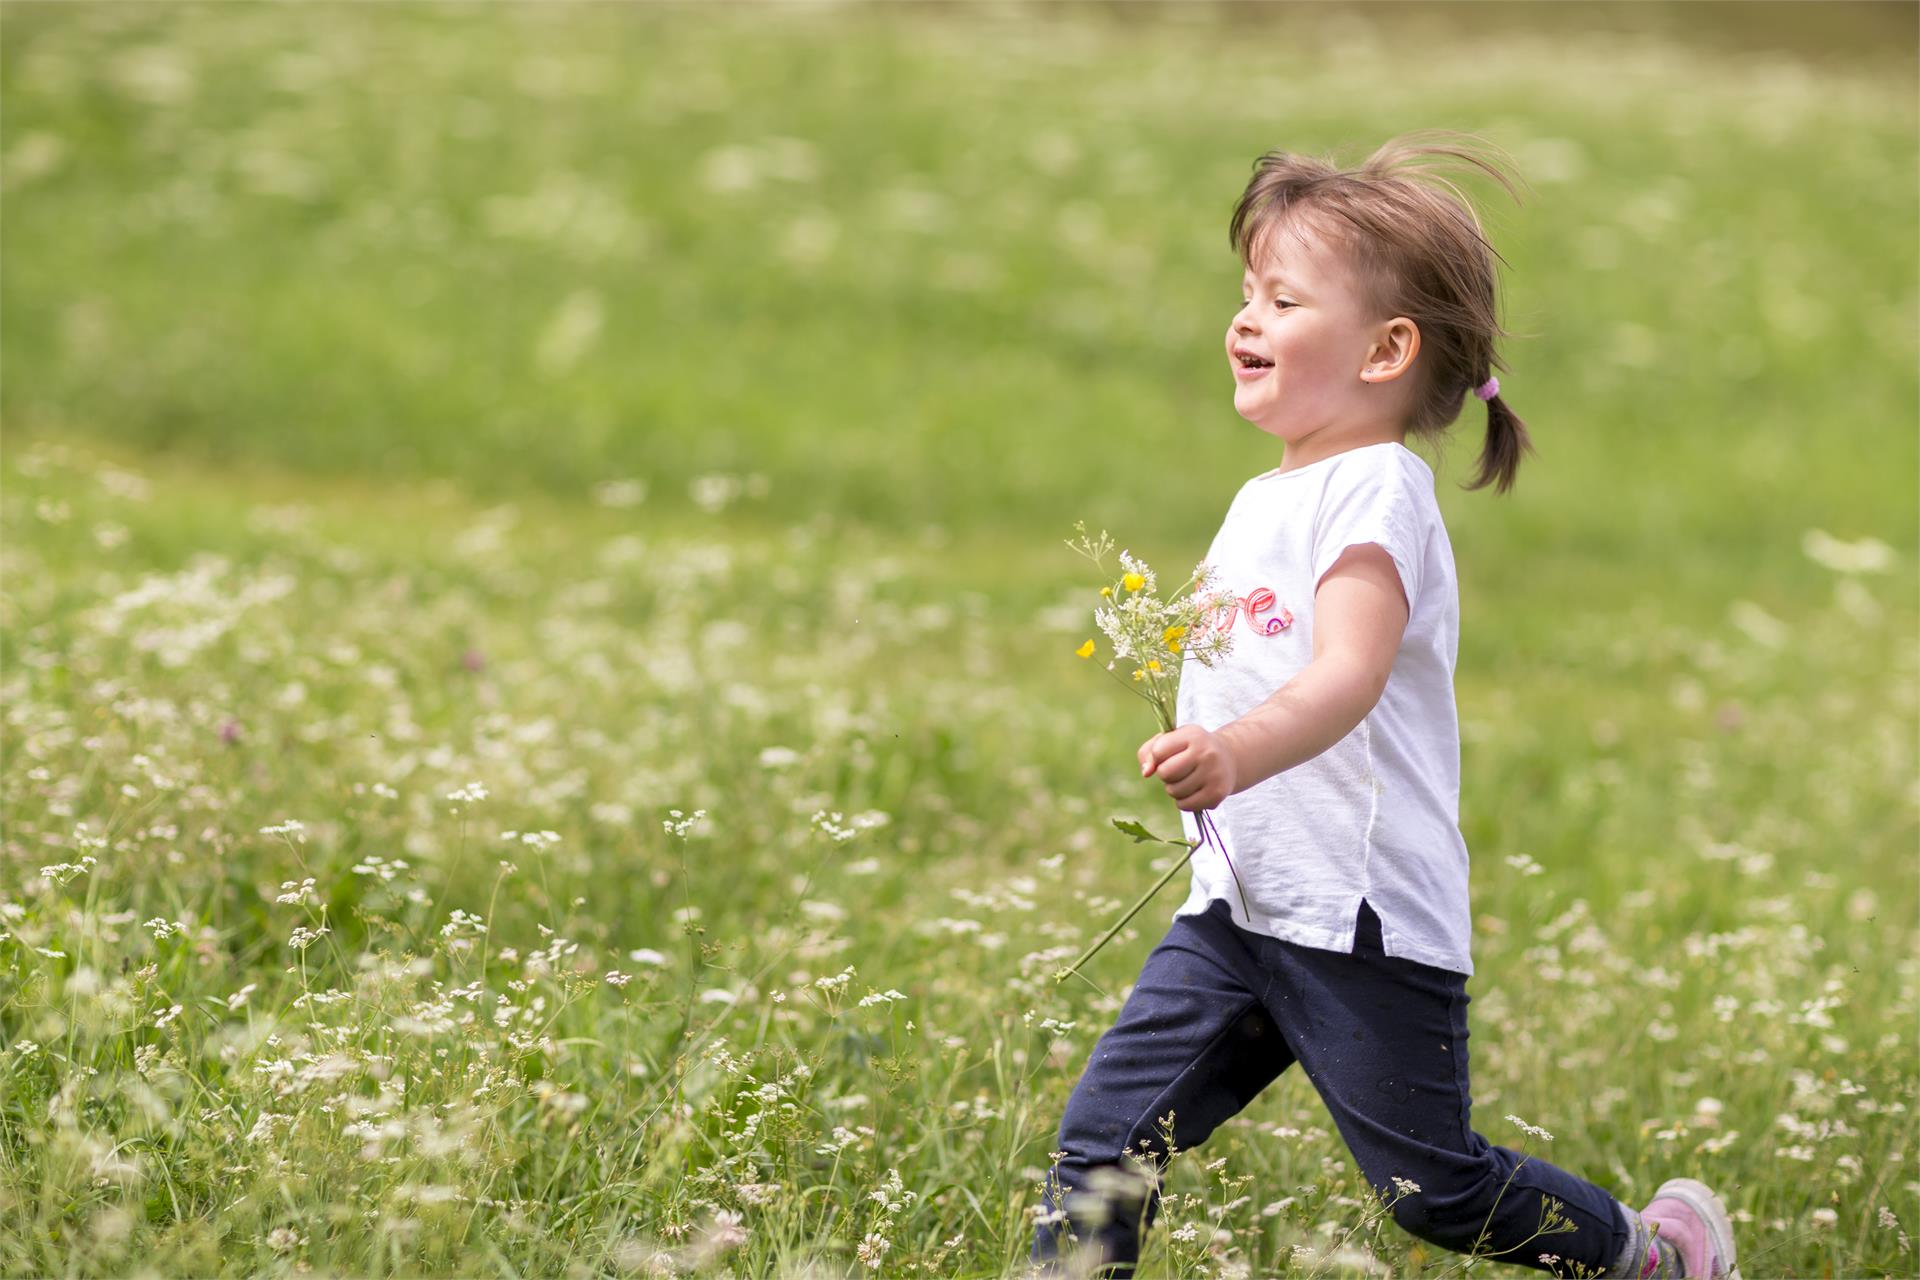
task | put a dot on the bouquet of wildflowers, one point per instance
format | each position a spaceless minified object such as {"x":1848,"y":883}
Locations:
{"x":1149,"y":634}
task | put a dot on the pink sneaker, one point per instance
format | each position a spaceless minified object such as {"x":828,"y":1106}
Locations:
{"x":1694,"y":1220}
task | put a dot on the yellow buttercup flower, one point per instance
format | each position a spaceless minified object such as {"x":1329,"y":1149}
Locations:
{"x":1138,"y":673}
{"x":1133,"y":582}
{"x":1106,"y":591}
{"x":1153,"y":664}
{"x":1085,"y":650}
{"x":1172,"y":638}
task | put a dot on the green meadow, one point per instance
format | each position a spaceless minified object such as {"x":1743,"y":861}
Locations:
{"x":541,"y":731}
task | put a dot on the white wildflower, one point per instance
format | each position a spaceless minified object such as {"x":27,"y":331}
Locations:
{"x":284,"y":1239}
{"x":1535,"y":1130}
{"x":830,"y":824}
{"x":892,"y":1196}
{"x":873,"y":1249}
{"x":61,"y":872}
{"x":841,"y":1139}
{"x":723,"y":1233}
{"x":459,"y":920}
{"x":375,"y":865}
{"x":683,"y":823}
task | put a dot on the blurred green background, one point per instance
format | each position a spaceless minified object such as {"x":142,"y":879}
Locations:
{"x":960,"y":265}
{"x":642,"y":408}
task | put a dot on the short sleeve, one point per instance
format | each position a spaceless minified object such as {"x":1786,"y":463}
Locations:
{"x":1372,"y":504}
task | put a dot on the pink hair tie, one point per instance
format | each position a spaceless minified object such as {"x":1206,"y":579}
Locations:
{"x":1488,"y":389}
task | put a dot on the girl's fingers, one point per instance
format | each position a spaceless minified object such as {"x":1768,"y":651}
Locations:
{"x":1176,"y":768}
{"x":1188,"y":785}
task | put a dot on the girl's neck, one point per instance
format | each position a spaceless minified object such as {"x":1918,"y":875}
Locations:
{"x":1306,"y":454}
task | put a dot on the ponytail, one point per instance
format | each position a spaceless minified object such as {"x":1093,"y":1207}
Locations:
{"x":1507,"y":439}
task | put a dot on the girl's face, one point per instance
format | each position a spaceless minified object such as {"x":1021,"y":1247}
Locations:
{"x":1333,"y":378}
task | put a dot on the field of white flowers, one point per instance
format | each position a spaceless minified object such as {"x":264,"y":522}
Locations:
{"x":401,"y":887}
{"x":539,"y":725}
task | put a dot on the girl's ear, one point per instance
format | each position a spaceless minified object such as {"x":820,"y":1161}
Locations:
{"x":1393,"y":350}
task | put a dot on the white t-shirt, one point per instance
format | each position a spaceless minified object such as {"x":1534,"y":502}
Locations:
{"x":1377,"y":814}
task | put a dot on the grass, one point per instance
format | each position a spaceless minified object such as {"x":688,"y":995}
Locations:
{"x":328,"y":329}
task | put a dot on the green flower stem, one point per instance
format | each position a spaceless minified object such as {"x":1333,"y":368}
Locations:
{"x":1105,"y":938}
{"x":1206,"y":826}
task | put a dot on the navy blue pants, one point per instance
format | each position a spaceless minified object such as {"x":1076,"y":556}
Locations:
{"x":1219,"y":1012}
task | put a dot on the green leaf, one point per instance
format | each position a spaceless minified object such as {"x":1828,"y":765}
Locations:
{"x":1140,"y":834}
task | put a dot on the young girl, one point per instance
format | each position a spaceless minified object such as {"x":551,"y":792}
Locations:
{"x":1327,"y":746}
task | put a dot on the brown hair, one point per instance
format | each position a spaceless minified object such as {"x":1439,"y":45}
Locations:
{"x":1418,"y":252}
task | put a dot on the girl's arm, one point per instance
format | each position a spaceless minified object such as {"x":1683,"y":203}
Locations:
{"x":1359,"y":615}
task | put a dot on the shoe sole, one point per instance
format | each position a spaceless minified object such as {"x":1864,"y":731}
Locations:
{"x":1699,"y":1197}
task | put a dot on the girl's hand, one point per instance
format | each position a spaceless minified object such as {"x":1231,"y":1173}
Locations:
{"x":1194,"y":764}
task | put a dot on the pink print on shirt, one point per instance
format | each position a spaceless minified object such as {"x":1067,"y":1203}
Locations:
{"x":1251,"y":606}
